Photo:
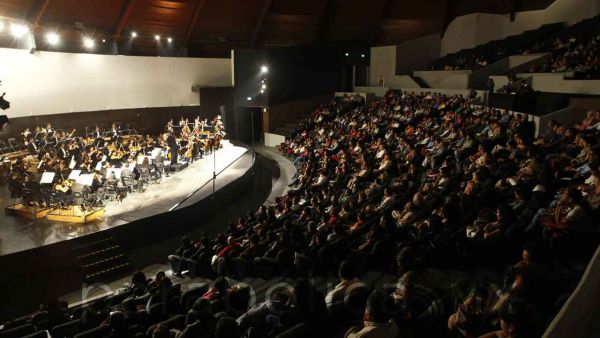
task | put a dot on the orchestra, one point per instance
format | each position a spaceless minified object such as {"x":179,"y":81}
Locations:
{"x":104,"y":162}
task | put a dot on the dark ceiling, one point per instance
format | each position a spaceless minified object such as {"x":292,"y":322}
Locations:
{"x":214,"y":27}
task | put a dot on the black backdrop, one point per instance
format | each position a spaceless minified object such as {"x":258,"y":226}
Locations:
{"x":295,"y":73}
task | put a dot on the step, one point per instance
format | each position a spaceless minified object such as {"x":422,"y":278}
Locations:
{"x":98,"y":252}
{"x":109,"y":272}
{"x":92,"y":246}
{"x":98,"y":263}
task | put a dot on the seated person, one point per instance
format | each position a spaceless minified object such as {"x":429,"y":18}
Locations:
{"x":377,"y":320}
{"x":348,"y":279}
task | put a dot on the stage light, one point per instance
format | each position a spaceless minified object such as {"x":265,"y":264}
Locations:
{"x":264,"y":69}
{"x":249,"y":98}
{"x":157,"y":37}
{"x":133,"y":34}
{"x":18,"y":30}
{"x":347,"y":54}
{"x":52,"y":38}
{"x":169,"y":40}
{"x":362,"y":56}
{"x":264,"y":86}
{"x":88,"y":43}
{"x":262,"y":91}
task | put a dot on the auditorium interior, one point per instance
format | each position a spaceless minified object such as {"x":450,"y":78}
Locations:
{"x":305,"y":169}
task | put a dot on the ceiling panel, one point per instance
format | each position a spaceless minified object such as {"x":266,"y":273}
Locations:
{"x":228,"y":19}
{"x":17,"y":9}
{"x":99,"y":14}
{"x":225,"y":24}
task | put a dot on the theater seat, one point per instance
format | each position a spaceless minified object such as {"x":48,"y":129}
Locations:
{"x":190,"y":296}
{"x":97,"y":332}
{"x":176,"y":322}
{"x":65,"y":330}
{"x":19,"y":331}
{"x":39,"y":334}
{"x":299,"y":331}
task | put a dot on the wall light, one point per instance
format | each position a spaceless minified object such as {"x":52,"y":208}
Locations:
{"x":169,"y":40}
{"x":347,"y":54}
{"x":264,"y":69}
{"x":52,"y":38}
{"x":157,"y":37}
{"x":18,"y":30}
{"x":89,"y":43}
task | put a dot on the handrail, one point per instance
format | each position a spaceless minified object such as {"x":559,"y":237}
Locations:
{"x":212,"y":179}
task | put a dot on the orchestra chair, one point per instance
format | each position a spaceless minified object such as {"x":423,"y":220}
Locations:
{"x":78,"y":194}
{"x":13,"y":144}
{"x":128,"y":183}
{"x":144,"y":178}
{"x":110,"y":192}
{"x":4,"y":148}
{"x":16,"y":191}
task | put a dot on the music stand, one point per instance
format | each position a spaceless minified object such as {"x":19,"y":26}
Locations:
{"x":47,"y":177}
{"x":74,"y":174}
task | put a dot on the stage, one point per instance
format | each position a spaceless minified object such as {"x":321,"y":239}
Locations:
{"x":172,"y":193}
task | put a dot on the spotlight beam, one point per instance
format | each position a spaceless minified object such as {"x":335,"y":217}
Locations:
{"x":40,"y":12}
{"x":127,"y":8}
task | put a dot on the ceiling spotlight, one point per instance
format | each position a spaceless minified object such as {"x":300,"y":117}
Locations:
{"x":18,"y":30}
{"x":264,"y":69}
{"x":103,"y":40}
{"x":52,"y":38}
{"x":264,"y":86}
{"x":89,"y":43}
{"x":249,"y":98}
{"x":262,"y":91}
{"x":133,"y":34}
{"x":157,"y":37}
{"x":347,"y":54}
{"x":169,"y":40}
{"x":362,"y":55}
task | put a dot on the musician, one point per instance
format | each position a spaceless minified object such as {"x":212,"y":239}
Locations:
{"x":114,"y":131}
{"x":173,"y":147}
{"x":62,"y":151}
{"x":57,"y":151}
{"x":32,"y":147}
{"x":97,"y":134}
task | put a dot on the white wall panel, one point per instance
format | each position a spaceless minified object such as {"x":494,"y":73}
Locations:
{"x":49,"y":83}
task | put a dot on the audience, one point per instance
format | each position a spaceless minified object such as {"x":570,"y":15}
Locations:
{"x":476,"y":217}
